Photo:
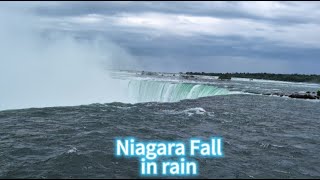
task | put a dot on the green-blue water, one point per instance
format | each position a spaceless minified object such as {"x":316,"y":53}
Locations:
{"x":158,"y":91}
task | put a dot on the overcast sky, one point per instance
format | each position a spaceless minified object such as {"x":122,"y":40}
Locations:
{"x":279,"y":37}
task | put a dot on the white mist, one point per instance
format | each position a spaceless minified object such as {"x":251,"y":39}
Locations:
{"x":37,"y":71}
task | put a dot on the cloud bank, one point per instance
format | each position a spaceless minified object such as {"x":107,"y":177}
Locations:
{"x":272,"y":34}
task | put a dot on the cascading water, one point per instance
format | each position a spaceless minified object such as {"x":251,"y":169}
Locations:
{"x":159,"y":91}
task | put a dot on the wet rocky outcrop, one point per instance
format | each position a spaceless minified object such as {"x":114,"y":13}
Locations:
{"x":296,"y":95}
{"x":306,"y":95}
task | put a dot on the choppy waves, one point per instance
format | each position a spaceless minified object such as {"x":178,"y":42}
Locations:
{"x":264,"y":137}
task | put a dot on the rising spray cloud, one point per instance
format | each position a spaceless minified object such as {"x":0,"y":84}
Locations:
{"x":38,"y":69}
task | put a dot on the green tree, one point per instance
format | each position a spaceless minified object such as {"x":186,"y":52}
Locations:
{"x":318,"y":93}
{"x":224,"y":77}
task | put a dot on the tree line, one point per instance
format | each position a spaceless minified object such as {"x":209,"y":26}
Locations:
{"x":267,"y":76}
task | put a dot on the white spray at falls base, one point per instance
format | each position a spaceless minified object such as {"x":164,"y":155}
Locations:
{"x":158,"y":91}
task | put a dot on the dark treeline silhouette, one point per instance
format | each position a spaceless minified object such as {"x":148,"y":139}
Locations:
{"x":268,"y":76}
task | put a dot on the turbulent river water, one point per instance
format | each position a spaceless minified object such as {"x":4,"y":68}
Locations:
{"x":264,"y":136}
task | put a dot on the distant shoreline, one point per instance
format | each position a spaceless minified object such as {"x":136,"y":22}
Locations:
{"x":294,"y":78}
{"x":312,"y":78}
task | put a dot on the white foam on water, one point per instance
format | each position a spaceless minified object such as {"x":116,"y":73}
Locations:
{"x":73,"y":150}
{"x":190,"y":111}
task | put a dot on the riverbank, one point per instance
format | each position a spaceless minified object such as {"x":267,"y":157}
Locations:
{"x":312,"y":78}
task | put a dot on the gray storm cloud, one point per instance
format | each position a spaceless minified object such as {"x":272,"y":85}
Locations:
{"x":37,"y":69}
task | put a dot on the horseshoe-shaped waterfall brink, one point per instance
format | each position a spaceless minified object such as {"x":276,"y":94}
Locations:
{"x":160,"y":91}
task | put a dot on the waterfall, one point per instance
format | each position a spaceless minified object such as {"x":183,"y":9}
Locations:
{"x":159,"y":91}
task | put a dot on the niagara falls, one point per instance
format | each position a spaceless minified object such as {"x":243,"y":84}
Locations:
{"x":197,"y":89}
